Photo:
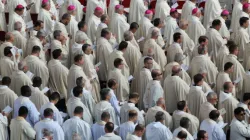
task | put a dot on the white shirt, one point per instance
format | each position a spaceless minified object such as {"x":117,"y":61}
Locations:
{"x":215,"y":132}
{"x":126,"y":128}
{"x":239,"y":130}
{"x":177,"y":130}
{"x":57,"y":116}
{"x":158,"y":131}
{"x":110,"y":136}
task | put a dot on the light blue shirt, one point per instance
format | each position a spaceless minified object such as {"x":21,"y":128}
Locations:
{"x":158,"y":131}
{"x":126,"y":128}
{"x":33,"y":115}
{"x":97,"y":130}
{"x":114,"y":102}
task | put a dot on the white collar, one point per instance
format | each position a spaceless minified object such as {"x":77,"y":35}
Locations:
{"x":224,"y":96}
{"x":3,"y":87}
{"x":198,"y":87}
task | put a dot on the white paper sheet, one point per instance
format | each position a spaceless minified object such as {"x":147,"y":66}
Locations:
{"x":126,"y":10}
{"x":29,"y":25}
{"x":175,"y":5}
{"x":45,"y":90}
{"x":184,"y":67}
{"x":13,"y":51}
{"x":63,"y":114}
{"x":141,"y":39}
{"x":222,"y":111}
{"x":98,"y":64}
{"x":29,"y":74}
{"x":7,"y":109}
{"x":130,"y":78}
{"x":237,"y":80}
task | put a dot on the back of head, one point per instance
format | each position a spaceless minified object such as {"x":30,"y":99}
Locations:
{"x":154,"y":73}
{"x":159,"y":116}
{"x":181,"y":105}
{"x":202,"y":39}
{"x":238,"y":110}
{"x":157,"y":22}
{"x":81,"y":24}
{"x":105,"y":116}
{"x":182,"y":135}
{"x":104,"y":93}
{"x":23,"y":111}
{"x":228,"y":65}
{"x":118,"y":62}
{"x":178,"y":57}
{"x":36,"y":49}
{"x":109,"y":127}
{"x":226,"y":86}
{"x":243,"y":20}
{"x":7,"y":51}
{"x":216,"y":22}
{"x":111,"y":83}
{"x":37,"y":81}
{"x":155,"y":33}
{"x":133,"y":95}
{"x":139,"y":127}
{"x":202,"y":49}
{"x":132,"y":114}
{"x":48,"y":112}
{"x":8,"y":36}
{"x":85,"y":47}
{"x":232,"y":48}
{"x":211,"y":95}
{"x":128,"y":35}
{"x":40,"y":34}
{"x":246,"y":97}
{"x":6,"y":81}
{"x":54,"y":96}
{"x":214,"y":115}
{"x":77,"y":91}
{"x":176,"y":69}
{"x":201,"y":134}
{"x":17,"y":25}
{"x":105,"y":32}
{"x":80,"y":81}
{"x":66,"y":16}
{"x":176,"y":36}
{"x":123,"y":45}
{"x":104,"y":17}
{"x":57,"y":53}
{"x":198,"y":78}
{"x":78,"y":110}
{"x":78,"y":57}
{"x":25,"y":91}
{"x":147,"y":59}
{"x":56,"y":34}
{"x":184,"y":122}
{"x":133,"y":26}
{"x":38,"y":23}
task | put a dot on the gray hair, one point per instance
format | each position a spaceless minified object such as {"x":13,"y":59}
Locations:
{"x":104,"y":32}
{"x":21,"y":65}
{"x":47,"y":133}
{"x":56,"y":33}
{"x":41,"y":34}
{"x":17,"y":25}
{"x":202,"y":49}
{"x":80,"y":38}
{"x":182,"y":23}
{"x":66,"y":16}
{"x":155,"y":33}
{"x":178,"y":57}
{"x":128,"y":35}
{"x":211,"y":95}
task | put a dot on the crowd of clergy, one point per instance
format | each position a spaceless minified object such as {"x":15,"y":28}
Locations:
{"x":112,"y":73}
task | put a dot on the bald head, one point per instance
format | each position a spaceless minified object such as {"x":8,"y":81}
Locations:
{"x":176,"y":69}
{"x":156,"y":74}
{"x":155,"y":33}
{"x":150,"y":52}
{"x":160,"y":101}
{"x":18,"y":26}
{"x":183,"y":24}
{"x":9,"y":37}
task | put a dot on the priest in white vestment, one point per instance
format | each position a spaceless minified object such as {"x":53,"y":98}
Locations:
{"x":16,"y":16}
{"x":153,"y":90}
{"x":187,"y":43}
{"x":8,"y":66}
{"x":3,"y":24}
{"x":187,"y":8}
{"x":196,"y":97}
{"x":49,"y":124}
{"x":103,"y":51}
{"x":76,"y":71}
{"x":237,"y":8}
{"x":131,"y":54}
{"x":161,"y":9}
{"x":53,"y":100}
{"x":119,"y":54}
{"x":91,"y":71}
{"x":184,"y":125}
{"x":76,"y":127}
{"x":75,"y":101}
{"x":195,"y":28}
{"x":144,"y":78}
{"x":210,"y":125}
{"x":212,"y":10}
{"x":224,"y":32}
{"x":170,"y":26}
{"x":105,"y":106}
{"x":20,"y":40}
{"x":202,"y":62}
{"x":183,"y":111}
{"x":215,"y":39}
{"x":38,"y":97}
{"x":144,"y":26}
{"x":158,"y":53}
{"x":133,"y":28}
{"x":130,"y":105}
{"x":157,"y":130}
{"x":174,"y":48}
{"x":79,"y":10}
{"x":97,"y":129}
{"x":208,"y":106}
{"x":239,"y":129}
{"x":93,"y":22}
{"x":222,"y":54}
{"x":223,"y":77}
{"x":122,"y":90}
{"x":3,"y":125}
{"x":137,"y":7}
{"x":58,"y":74}
{"x":109,"y":132}
{"x":175,"y":89}
{"x":128,"y":127}
{"x":20,"y":129}
{"x":228,"y":102}
{"x":47,"y":17}
{"x":160,"y":106}
{"x":158,"y":24}
{"x":238,"y":70}
{"x":37,"y":66}
{"x":9,"y":39}
{"x":244,"y":13}
{"x":91,"y":7}
{"x":118,"y":24}
{"x":23,"y":100}
{"x":7,"y":96}
{"x":19,"y":78}
{"x":72,"y":27}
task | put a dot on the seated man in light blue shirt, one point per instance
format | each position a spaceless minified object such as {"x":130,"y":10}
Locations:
{"x":23,"y":100}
